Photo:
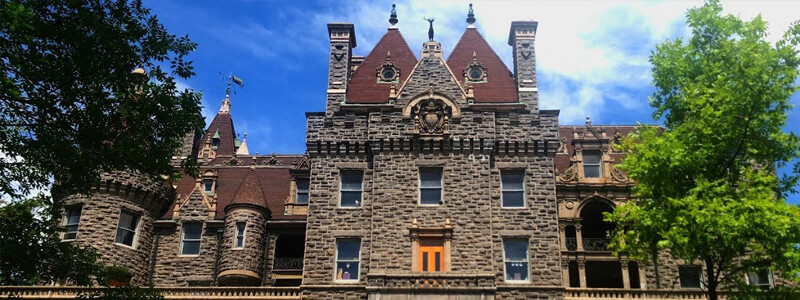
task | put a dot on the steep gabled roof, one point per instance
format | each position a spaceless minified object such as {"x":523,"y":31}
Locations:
{"x":250,"y":191}
{"x":500,"y":86}
{"x":222,"y":125}
{"x":364,"y":87}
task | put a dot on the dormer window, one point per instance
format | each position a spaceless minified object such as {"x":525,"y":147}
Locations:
{"x":388,"y":71}
{"x":592,"y":164}
{"x":388,"y":74}
{"x":475,"y":72}
{"x":214,"y":144}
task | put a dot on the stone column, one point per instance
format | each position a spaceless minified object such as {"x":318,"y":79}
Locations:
{"x":565,"y":272}
{"x":642,"y":276}
{"x":578,"y":235}
{"x":582,"y":272}
{"x":562,"y":232}
{"x":626,"y":280}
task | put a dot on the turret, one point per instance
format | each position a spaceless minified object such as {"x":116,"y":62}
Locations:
{"x":244,"y":236}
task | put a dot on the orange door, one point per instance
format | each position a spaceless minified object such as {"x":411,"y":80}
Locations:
{"x":431,"y":255}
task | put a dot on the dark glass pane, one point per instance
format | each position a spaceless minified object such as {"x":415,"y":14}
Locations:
{"x":516,"y":250}
{"x":690,"y":276}
{"x":437,"y":258}
{"x":430,"y":196}
{"x":302,"y":185}
{"x":72,"y":228}
{"x":352,"y":181}
{"x":302,"y":198}
{"x":513,"y":199}
{"x":633,"y":274}
{"x":70,"y":235}
{"x":591,"y":171}
{"x":591,"y":157}
{"x":240,"y":241}
{"x":192,"y":231}
{"x":512,"y":181}
{"x":128,"y":221}
{"x":124,"y":237}
{"x":430,"y":178}
{"x":208,"y":184}
{"x":191,"y":248}
{"x":516,"y":271}
{"x":348,"y":250}
{"x":240,"y":228}
{"x":351,"y":199}
{"x":74,"y":216}
{"x":346,"y":271}
{"x":425,"y":261}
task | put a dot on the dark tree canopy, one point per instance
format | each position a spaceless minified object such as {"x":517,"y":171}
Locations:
{"x":71,"y":105}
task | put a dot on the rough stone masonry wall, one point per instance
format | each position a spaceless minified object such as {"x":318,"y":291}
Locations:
{"x":174,"y":269}
{"x":100,"y":214}
{"x":251,"y":256}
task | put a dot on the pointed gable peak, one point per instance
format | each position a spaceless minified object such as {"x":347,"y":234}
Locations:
{"x":496,"y":83}
{"x":370,"y":87}
{"x":250,"y":191}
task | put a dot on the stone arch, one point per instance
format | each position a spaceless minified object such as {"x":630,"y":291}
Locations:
{"x":591,"y":199}
{"x":431,"y":96}
{"x":593,"y":226}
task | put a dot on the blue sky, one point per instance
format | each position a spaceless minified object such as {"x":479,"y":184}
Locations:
{"x":591,"y":55}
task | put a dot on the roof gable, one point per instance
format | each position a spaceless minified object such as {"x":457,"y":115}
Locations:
{"x":364,"y":87}
{"x":222,"y":127}
{"x":500,"y":86}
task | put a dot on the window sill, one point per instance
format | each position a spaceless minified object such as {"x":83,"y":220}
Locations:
{"x":238,"y":249}
{"x":350,"y":281}
{"x":349,"y":207}
{"x":189,"y":255}
{"x":517,"y":281}
{"x":125,"y":246}
{"x":514,"y":207}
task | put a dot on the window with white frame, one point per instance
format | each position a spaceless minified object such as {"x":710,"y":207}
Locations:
{"x":430,"y":186}
{"x":348,"y":254}
{"x":761,"y":279}
{"x":513,"y":186}
{"x":208,"y":186}
{"x":239,"y":241}
{"x":302,"y":190}
{"x":690,"y":276}
{"x":126,"y":228}
{"x":515,"y":252}
{"x":592,"y":164}
{"x":190,"y":239}
{"x":72,"y":218}
{"x":351,"y":188}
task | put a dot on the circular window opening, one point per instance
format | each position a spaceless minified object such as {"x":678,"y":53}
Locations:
{"x":388,"y":74}
{"x":475,"y":73}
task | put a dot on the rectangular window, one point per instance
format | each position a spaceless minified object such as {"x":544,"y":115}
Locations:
{"x":430,"y":186}
{"x":516,"y":259}
{"x":208,"y":186}
{"x":513,"y":186}
{"x":126,"y":229}
{"x":431,"y":255}
{"x":351,"y":182}
{"x":239,"y":242}
{"x":690,"y":276}
{"x":302,"y":190}
{"x":190,"y":242}
{"x":348,"y":253}
{"x":73,"y":217}
{"x":592,"y":164}
{"x":761,"y":279}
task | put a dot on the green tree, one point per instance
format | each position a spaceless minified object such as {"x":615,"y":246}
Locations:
{"x":70,"y":105}
{"x":706,"y":185}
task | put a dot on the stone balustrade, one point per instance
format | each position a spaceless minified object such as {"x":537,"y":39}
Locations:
{"x":616,"y":294}
{"x":431,"y":280}
{"x":183,"y":293}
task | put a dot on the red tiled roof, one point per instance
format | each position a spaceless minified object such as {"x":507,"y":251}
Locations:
{"x":224,"y":123}
{"x":364,"y":87}
{"x":250,"y":191}
{"x":500,"y":86}
{"x":271,"y":184}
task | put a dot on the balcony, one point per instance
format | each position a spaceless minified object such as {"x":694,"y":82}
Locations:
{"x":589,"y":244}
{"x":288,"y":264}
{"x":183,"y":293}
{"x":613,"y":294}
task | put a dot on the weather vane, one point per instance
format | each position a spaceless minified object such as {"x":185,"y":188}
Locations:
{"x":430,"y":29}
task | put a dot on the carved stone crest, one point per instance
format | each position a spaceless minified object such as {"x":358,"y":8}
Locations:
{"x":431,"y":117}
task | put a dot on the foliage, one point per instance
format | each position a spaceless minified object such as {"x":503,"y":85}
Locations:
{"x":707,"y":187}
{"x":70,"y":106}
{"x":748,"y":292}
{"x":31,"y":251}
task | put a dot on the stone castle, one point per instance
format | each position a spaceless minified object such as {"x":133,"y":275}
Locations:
{"x":428,"y":176}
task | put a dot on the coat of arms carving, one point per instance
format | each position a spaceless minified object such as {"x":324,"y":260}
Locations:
{"x":431,"y":117}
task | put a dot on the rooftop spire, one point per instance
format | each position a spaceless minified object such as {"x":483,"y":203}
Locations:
{"x":470,"y":17}
{"x":226,"y":104}
{"x":243,"y":147}
{"x":393,"y":17}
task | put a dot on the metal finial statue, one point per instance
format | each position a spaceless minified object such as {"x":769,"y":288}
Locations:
{"x":470,"y":16}
{"x":393,"y":17}
{"x":430,"y":29}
